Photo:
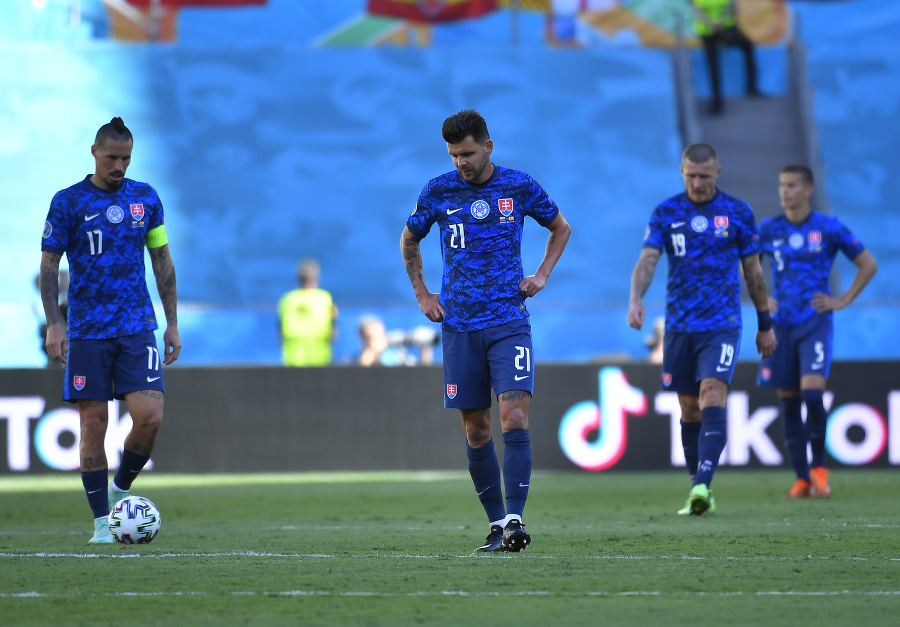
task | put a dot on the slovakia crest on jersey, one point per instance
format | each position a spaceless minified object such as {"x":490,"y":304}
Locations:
{"x":765,"y":374}
{"x":137,"y":212}
{"x":451,"y":391}
{"x":667,"y":379}
{"x":480,"y":209}
{"x":506,"y":206}
{"x":815,"y":240}
{"x":78,"y":382}
{"x":721,"y":224}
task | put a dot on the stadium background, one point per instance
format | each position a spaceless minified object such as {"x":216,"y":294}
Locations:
{"x":281,"y":129}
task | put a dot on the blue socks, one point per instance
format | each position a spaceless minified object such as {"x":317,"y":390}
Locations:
{"x":795,"y":436}
{"x":690,"y":433}
{"x":484,"y":469}
{"x":816,"y":419}
{"x":711,"y":443}
{"x":516,"y":469}
{"x":129,"y":467}
{"x":94,"y":482}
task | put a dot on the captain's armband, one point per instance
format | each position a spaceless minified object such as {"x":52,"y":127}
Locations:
{"x":157,"y":237}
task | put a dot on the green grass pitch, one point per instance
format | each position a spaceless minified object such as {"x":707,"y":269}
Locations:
{"x":396,"y":549}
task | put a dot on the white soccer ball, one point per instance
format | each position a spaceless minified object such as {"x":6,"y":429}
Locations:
{"x":134,"y":520}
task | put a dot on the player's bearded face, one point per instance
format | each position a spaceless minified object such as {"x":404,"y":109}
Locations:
{"x":472,"y":159}
{"x":700,"y":179}
{"x":112,"y":159}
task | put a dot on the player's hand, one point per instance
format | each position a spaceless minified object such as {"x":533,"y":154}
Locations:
{"x":823,"y":303}
{"x":531,"y":285}
{"x":430,"y":304}
{"x":636,"y":315}
{"x":773,"y":305}
{"x":172,"y":344}
{"x":766,"y":342}
{"x":56,"y":344}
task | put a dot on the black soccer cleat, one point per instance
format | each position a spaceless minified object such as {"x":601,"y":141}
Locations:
{"x":494,"y":541}
{"x":515,"y":538}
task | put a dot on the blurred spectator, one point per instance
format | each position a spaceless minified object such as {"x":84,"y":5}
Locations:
{"x":307,"y":320}
{"x":654,"y":341}
{"x":384,"y":348}
{"x":716,"y":25}
{"x":63,"y":313}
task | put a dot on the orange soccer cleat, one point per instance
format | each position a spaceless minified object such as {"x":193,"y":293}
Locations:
{"x":819,"y":478}
{"x":800,"y":490}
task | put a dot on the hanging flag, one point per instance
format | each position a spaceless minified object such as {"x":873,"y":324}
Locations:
{"x":432,"y":10}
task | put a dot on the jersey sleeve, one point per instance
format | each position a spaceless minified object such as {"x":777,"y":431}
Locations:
{"x":846,"y":241}
{"x":157,"y":215}
{"x":57,"y":226}
{"x":765,"y":235}
{"x":654,"y":235}
{"x":424,"y":214}
{"x":539,"y":204}
{"x":748,"y":236}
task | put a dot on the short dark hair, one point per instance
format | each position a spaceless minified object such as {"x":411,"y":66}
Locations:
{"x":460,"y":125}
{"x":114,"y":130}
{"x":804,"y":172}
{"x":700,"y":153}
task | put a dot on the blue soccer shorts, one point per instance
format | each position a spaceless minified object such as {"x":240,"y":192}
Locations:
{"x":475,"y":361}
{"x":100,"y":370}
{"x":804,"y":348}
{"x":688,"y":358}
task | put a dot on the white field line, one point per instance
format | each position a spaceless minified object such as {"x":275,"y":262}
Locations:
{"x":405,"y":556}
{"x":459,"y":593}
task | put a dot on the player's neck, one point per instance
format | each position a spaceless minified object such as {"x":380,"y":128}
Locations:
{"x":798,"y":214}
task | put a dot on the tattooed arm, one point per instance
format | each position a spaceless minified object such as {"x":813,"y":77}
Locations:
{"x":164,"y":271}
{"x":429,"y":303}
{"x":756,"y":288}
{"x":56,"y":343}
{"x":640,"y":283}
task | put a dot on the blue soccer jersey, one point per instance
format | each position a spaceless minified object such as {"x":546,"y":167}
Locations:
{"x":102,"y":233}
{"x":481,"y":241}
{"x":801,"y":256}
{"x":704,"y":244}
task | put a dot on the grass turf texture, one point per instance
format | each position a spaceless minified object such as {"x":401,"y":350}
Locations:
{"x":396,"y":549}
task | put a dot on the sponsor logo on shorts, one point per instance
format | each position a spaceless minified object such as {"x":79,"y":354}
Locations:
{"x":78,"y":382}
{"x":451,"y":391}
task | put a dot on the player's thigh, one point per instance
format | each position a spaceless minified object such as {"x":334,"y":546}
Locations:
{"x":89,"y":375}
{"x":467,"y":383}
{"x":679,"y":367}
{"x":510,"y":357}
{"x":780,"y":370}
{"x":717,"y":354}
{"x":814,"y":346}
{"x":137,"y":365}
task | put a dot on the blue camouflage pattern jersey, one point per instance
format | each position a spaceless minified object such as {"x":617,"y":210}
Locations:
{"x":481,"y":240}
{"x":102,"y":233}
{"x":801,"y":257}
{"x":704,"y":245}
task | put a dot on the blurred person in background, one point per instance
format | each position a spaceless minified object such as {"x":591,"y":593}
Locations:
{"x":656,"y":340}
{"x":102,"y":225}
{"x":307,"y":320}
{"x":716,"y":24}
{"x":802,"y":245}
{"x":392,"y":348}
{"x":707,"y":236}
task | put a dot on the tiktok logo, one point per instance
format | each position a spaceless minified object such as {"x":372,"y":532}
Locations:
{"x":608,"y":421}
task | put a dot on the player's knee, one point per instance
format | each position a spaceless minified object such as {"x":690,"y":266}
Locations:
{"x":713,"y":393}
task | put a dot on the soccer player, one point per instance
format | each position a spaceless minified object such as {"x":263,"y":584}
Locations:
{"x":706,"y":234}
{"x":102,"y":224}
{"x":802,"y":245}
{"x":479,"y":209}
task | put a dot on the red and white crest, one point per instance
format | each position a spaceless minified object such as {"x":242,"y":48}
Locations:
{"x":137,"y":212}
{"x":721,"y":223}
{"x":765,"y":374}
{"x":451,"y":391}
{"x":815,"y":237}
{"x":667,"y":379}
{"x":78,"y":382}
{"x":506,"y":206}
